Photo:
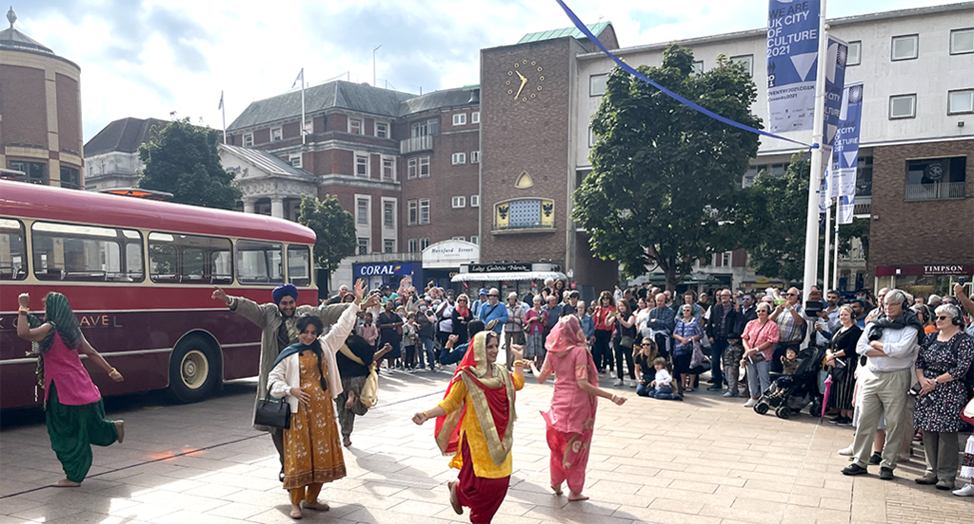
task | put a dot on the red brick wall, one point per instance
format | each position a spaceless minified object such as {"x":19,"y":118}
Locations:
{"x":24,"y":106}
{"x":68,"y":111}
{"x":928,"y":232}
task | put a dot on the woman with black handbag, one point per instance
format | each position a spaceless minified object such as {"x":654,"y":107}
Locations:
{"x":306,"y":375}
{"x":622,"y":343}
{"x":842,"y":360}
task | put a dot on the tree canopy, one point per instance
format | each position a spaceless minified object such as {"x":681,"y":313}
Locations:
{"x":665,"y":179}
{"x":182,"y":159}
{"x":334,"y":227}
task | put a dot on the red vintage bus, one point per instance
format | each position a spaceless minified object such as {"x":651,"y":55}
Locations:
{"x":139,"y":275}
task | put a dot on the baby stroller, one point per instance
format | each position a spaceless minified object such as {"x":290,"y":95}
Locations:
{"x":791,"y":393}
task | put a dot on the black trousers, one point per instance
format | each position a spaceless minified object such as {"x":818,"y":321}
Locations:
{"x":621,"y":354}
{"x":600,"y":350}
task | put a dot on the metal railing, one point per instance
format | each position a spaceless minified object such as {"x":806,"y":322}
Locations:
{"x":935,"y":191}
{"x":416,"y":143}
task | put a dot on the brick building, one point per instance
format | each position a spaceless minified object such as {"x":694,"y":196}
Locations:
{"x":40,"y":112}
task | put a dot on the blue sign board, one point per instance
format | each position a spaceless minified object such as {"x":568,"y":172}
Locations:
{"x":792,"y":52}
{"x":382,"y":270}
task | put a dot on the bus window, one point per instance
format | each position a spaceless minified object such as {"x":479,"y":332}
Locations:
{"x":86,"y":253}
{"x":299,"y":265}
{"x":260,"y":262}
{"x":13,"y":250}
{"x":189,"y":259}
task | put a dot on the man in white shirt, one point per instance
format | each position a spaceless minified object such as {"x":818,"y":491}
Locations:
{"x":890,"y":345}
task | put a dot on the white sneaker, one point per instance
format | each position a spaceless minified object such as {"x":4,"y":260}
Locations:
{"x":619,"y":382}
{"x":750,"y":403}
{"x":846,"y":452}
{"x":966,"y":491}
{"x":632,"y":384}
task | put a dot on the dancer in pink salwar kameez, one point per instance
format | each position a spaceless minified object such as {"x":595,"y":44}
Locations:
{"x":571,"y":419}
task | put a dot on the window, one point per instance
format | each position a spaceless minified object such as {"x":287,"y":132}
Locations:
{"x":475,"y":157}
{"x":276,"y":134}
{"x":362,"y":165}
{"x":389,"y":214}
{"x":474,"y":239}
{"x":363,"y":246}
{"x":411,"y":168}
{"x":854,"y":55}
{"x":412,"y":217}
{"x":698,"y":67}
{"x":596,"y":85}
{"x":355,"y":126}
{"x":957,"y":102}
{"x":299,"y":265}
{"x":85,"y":253}
{"x":592,"y":137}
{"x":362,"y":211}
{"x":389,"y":169}
{"x":905,"y":47}
{"x":935,"y":179}
{"x":259,"y":262}
{"x":309,"y":126}
{"x":430,"y":127}
{"x":747,"y":60}
{"x":424,"y":211}
{"x":13,"y":250}
{"x":475,"y":117}
{"x":459,"y":201}
{"x":749,"y":176}
{"x":474,"y":200}
{"x":424,"y":167}
{"x":459,"y":158}
{"x":424,"y":243}
{"x":962,"y":41}
{"x":294,"y":160}
{"x":382,"y":129}
{"x":525,"y":213}
{"x":388,"y":246}
{"x":459,"y":119}
{"x":411,"y":245}
{"x":34,"y":172}
{"x":864,"y":176}
{"x":902,"y":106}
{"x":460,"y":238}
{"x":70,"y":178}
{"x":248,"y":140}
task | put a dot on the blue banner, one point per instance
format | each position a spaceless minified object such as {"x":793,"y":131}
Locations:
{"x":834,"y":84}
{"x":381,"y":270}
{"x":792,"y":52}
{"x":845,"y":153}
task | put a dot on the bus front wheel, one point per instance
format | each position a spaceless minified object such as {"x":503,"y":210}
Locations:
{"x":194,"y":370}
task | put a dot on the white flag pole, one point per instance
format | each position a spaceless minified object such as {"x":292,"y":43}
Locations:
{"x":223,"y":109}
{"x":828,"y":229}
{"x":303,"y":130}
{"x":835,"y":259}
{"x":815,"y":176}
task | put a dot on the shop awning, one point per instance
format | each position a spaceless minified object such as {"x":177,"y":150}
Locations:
{"x":504,"y":277}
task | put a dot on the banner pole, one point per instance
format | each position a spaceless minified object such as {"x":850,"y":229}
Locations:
{"x":815,"y":174}
{"x":828,"y":229}
{"x":835,"y":259}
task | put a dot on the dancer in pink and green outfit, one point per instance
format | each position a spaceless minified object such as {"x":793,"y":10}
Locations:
{"x":571,"y":419}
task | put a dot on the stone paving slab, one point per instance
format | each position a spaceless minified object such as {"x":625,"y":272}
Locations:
{"x":707,"y":460}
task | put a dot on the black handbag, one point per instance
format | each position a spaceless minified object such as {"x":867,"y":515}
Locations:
{"x":273,"y":412}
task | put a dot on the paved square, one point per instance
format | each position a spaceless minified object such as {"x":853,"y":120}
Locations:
{"x":707,"y":460}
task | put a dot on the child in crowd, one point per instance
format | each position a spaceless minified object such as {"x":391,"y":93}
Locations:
{"x":410,"y":338}
{"x":368,"y":330}
{"x":663,"y":382}
{"x":644,"y":359}
{"x":732,"y":365}
{"x":588,"y":324}
{"x":789,"y":362}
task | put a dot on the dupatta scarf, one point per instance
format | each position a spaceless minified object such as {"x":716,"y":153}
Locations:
{"x":492,"y":398}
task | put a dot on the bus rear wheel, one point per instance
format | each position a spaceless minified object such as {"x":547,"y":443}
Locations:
{"x":194,"y":370}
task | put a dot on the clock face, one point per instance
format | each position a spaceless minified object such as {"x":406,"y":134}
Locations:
{"x":524,"y":81}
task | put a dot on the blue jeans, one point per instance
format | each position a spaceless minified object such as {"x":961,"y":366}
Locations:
{"x":426,"y":349}
{"x":644,"y":390}
{"x":662,"y":393}
{"x":716,"y":361}
{"x":758,"y":378}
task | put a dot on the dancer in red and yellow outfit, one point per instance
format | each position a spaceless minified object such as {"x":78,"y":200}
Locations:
{"x":475,"y":422}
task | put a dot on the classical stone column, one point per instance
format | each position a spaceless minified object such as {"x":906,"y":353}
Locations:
{"x":249,"y":203}
{"x":277,"y":207}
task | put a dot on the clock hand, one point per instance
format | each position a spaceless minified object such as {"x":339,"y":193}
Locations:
{"x":523,"y":82}
{"x":521,"y":76}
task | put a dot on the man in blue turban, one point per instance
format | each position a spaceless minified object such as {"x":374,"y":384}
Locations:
{"x":278,"y":321}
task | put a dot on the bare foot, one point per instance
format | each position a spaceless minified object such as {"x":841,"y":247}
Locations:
{"x":65,"y":483}
{"x":120,"y":428}
{"x":317,"y":506}
{"x":296,"y":512}
{"x":350,"y":403}
{"x":572,"y":496}
{"x":453,"y":497}
{"x":556,"y":489}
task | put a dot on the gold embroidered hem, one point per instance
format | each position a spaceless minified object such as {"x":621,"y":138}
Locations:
{"x":312,"y":447}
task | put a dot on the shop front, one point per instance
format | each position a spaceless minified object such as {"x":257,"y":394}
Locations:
{"x":507,"y":277}
{"x":442,"y":261}
{"x":391,"y":273}
{"x":922,"y":280}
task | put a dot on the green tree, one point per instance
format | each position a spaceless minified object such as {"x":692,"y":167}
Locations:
{"x":334,"y":227}
{"x":183,"y":160}
{"x":665,"y":178}
{"x":772,"y":219}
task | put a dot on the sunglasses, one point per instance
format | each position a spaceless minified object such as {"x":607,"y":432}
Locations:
{"x":494,"y":296}
{"x":791,"y":294}
{"x":943,"y":317}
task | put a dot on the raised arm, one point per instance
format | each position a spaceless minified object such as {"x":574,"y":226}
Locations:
{"x":24,"y":330}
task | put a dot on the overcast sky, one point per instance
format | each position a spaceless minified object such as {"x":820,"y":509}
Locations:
{"x":147,"y":58}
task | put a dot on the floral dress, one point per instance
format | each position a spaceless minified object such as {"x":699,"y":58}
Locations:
{"x":941,"y":413}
